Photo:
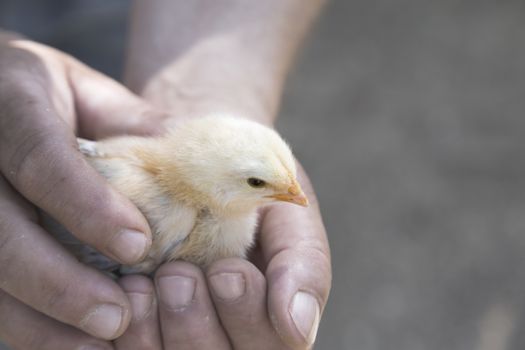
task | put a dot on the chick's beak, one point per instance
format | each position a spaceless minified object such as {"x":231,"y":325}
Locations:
{"x":294,"y":195}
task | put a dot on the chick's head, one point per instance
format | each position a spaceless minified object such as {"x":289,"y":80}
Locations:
{"x":236,"y":163}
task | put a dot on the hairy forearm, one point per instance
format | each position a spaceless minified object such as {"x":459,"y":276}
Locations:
{"x":215,"y":56}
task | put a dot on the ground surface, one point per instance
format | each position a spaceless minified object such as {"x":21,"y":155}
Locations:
{"x":409,"y":117}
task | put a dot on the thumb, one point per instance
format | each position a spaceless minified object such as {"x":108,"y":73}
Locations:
{"x":106,"y":108}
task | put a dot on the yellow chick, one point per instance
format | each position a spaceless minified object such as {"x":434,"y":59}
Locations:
{"x":199,"y":186}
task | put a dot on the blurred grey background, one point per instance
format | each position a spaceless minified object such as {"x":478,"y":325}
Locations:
{"x":409,"y":117}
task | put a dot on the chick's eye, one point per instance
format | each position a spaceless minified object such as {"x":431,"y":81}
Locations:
{"x":255,"y":182}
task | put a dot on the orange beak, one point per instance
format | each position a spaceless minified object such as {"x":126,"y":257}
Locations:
{"x":294,"y":195}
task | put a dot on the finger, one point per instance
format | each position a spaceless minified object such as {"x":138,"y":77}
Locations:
{"x":298,"y":272}
{"x":106,"y":108}
{"x":187,"y":316}
{"x":23,"y":328}
{"x":103,"y":106}
{"x":39,"y":157}
{"x":143,"y":332}
{"x":238,"y":290}
{"x":40,"y":273}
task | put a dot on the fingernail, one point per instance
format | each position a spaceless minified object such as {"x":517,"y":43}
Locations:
{"x":129,"y":246}
{"x":228,"y":286}
{"x":176,"y":291}
{"x":141,"y":304}
{"x":103,"y":321}
{"x":305,"y":314}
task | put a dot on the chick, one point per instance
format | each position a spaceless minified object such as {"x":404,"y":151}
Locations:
{"x":199,"y":187}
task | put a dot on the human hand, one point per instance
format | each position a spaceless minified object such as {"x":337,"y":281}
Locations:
{"x":234,"y":304}
{"x":229,"y":57}
{"x":48,"y":300}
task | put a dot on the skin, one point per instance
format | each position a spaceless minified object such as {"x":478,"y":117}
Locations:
{"x":45,"y":98}
{"x":183,"y":76}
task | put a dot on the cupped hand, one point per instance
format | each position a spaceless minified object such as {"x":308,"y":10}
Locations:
{"x":234,"y":304}
{"x":48,"y":300}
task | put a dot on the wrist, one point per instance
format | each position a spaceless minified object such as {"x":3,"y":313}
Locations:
{"x":193,"y":101}
{"x":213,"y":78}
{"x":214,"y":56}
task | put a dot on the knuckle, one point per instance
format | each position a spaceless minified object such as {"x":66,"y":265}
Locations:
{"x":19,"y":60}
{"x":54,"y":296}
{"x":95,"y":221}
{"x":34,"y":166}
{"x":322,"y":270}
{"x":30,"y":150}
{"x":310,"y":269}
